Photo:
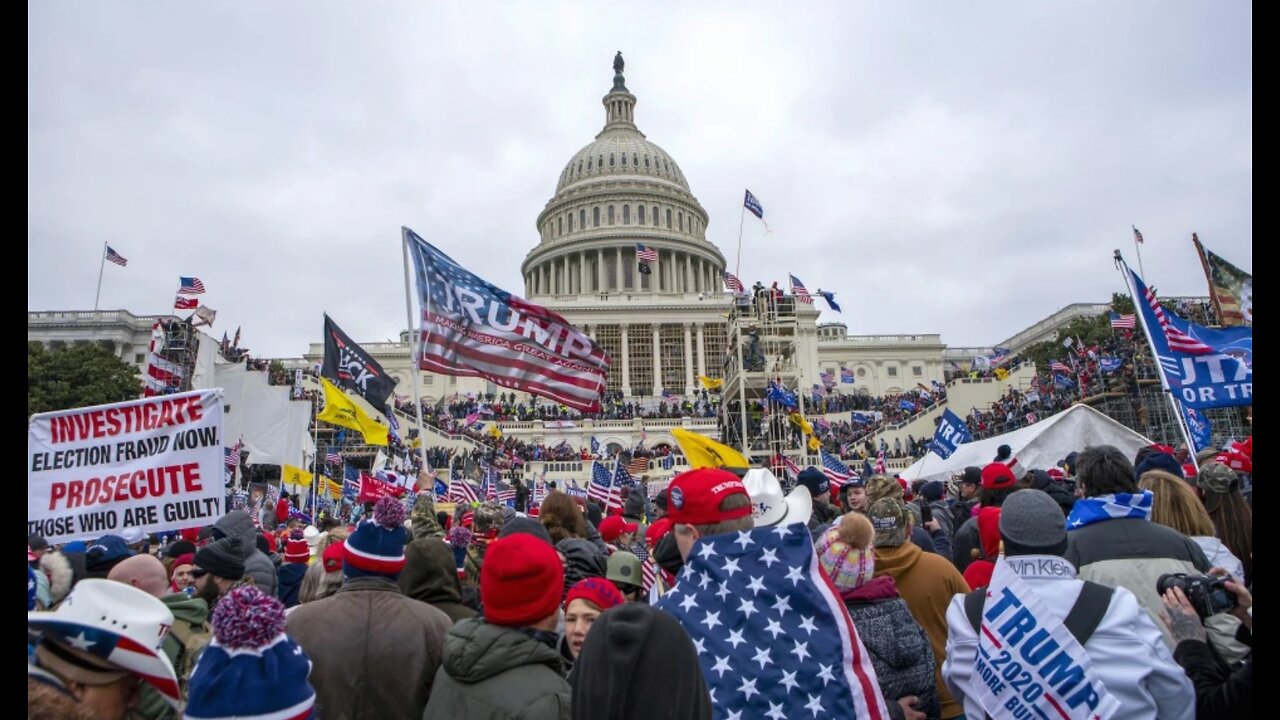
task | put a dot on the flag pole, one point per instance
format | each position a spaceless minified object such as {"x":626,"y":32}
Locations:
{"x":1164,"y":383}
{"x":414,"y":332}
{"x":1137,"y":248}
{"x":102,"y":264}
{"x":737,"y":266}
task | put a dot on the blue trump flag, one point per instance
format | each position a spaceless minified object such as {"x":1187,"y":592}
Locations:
{"x":1205,"y":368}
{"x":1109,"y":364}
{"x":752,"y":204}
{"x":772,"y":636}
{"x":951,"y":433}
{"x":781,"y":395}
{"x":1198,"y":427}
{"x":907,"y":405}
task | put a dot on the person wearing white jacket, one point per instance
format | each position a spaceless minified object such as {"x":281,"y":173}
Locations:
{"x":1126,"y":650}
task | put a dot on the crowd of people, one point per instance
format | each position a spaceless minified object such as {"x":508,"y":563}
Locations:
{"x":717,"y":597}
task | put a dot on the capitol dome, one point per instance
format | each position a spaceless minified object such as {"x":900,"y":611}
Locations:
{"x":618,"y":192}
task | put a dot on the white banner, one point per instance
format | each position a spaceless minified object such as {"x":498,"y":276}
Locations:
{"x":1029,"y":665}
{"x":155,"y":464}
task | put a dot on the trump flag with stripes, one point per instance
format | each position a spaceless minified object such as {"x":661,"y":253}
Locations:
{"x":473,"y":328}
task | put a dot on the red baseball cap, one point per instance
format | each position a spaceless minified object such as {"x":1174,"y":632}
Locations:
{"x":998,"y":476}
{"x":656,"y":531}
{"x":696,"y":496}
{"x":613,"y":526}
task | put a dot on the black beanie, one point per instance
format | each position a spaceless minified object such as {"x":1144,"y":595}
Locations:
{"x":638,"y":663}
{"x":178,"y":548}
{"x":223,"y":558}
{"x":1004,"y":452}
{"x":667,"y":554}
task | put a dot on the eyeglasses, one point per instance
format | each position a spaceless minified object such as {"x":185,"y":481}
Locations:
{"x":198,"y":573}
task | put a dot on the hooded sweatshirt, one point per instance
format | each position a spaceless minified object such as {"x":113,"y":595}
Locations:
{"x":927,"y":582}
{"x":430,"y":575}
{"x":257,"y":565}
{"x":491,"y":672}
{"x":639,"y":663}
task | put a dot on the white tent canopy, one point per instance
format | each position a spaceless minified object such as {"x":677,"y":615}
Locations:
{"x":1037,"y":446}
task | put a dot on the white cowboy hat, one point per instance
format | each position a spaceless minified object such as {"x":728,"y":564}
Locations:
{"x":117,"y":623}
{"x":769,"y":507}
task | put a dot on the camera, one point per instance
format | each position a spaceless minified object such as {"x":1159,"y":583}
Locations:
{"x":1208,"y":594}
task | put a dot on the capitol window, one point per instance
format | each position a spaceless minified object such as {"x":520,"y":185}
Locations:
{"x":655,"y":216}
{"x":595,"y":216}
{"x":680,"y":221}
{"x":917,"y":371}
{"x":589,"y":163}
{"x":639,"y":214}
{"x":862,"y":372}
{"x":579,"y":167}
{"x":626,"y":210}
{"x":570,"y":222}
{"x":611,"y":220}
{"x":646,"y":162}
{"x":624,"y":159}
{"x":582,"y":219}
{"x":635,"y":159}
{"x":610,"y":159}
{"x":891,"y":371}
{"x":560,"y":225}
{"x":668,"y":218}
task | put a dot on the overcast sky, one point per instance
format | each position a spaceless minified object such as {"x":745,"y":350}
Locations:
{"x":946,"y":167}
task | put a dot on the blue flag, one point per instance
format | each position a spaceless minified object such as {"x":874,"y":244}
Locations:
{"x":1064,"y":382}
{"x":951,"y":433}
{"x":907,"y":405}
{"x":1206,"y":368}
{"x":753,"y":205}
{"x":830,"y":297}
{"x":1109,"y":364}
{"x":441,"y":489}
{"x":781,"y":395}
{"x":595,"y":445}
{"x":772,"y":636}
{"x":1199,"y":427}
{"x":860,"y":418}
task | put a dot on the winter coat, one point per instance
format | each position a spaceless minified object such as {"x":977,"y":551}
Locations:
{"x":1133,"y":553}
{"x":1221,"y":692}
{"x":191,"y":617}
{"x":289,"y":577}
{"x":1125,"y":650}
{"x":927,"y":582}
{"x":425,"y":523}
{"x":257,"y":565}
{"x":582,"y":559}
{"x":964,"y":543}
{"x":374,"y":652}
{"x":430,"y":576}
{"x":492,"y":672}
{"x":898,"y":645}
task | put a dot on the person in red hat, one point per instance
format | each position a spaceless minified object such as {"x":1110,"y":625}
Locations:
{"x":505,"y":665}
{"x":582,"y":605}
{"x":707,"y":501}
{"x":618,"y":533}
{"x":998,"y":483}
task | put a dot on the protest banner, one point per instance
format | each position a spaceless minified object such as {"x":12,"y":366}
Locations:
{"x":153,"y":464}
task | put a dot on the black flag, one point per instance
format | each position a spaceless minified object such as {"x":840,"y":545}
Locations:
{"x":349,"y":366}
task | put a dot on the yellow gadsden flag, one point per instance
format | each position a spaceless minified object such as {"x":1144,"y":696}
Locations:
{"x":494,"y":431}
{"x":340,"y":410}
{"x":295,"y":476}
{"x":710,"y":383}
{"x":702,"y":451}
{"x":1002,"y":374}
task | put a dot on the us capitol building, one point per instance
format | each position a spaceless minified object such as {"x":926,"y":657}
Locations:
{"x":662,"y":329}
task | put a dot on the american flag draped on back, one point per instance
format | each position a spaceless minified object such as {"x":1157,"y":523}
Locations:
{"x":472,"y":328}
{"x":774,"y":639}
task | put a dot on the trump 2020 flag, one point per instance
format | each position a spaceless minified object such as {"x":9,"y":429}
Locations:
{"x":1206,"y":368}
{"x":951,"y":433}
{"x":1018,"y":631}
{"x":1199,"y":427}
{"x":773,"y":638}
{"x":473,"y":328}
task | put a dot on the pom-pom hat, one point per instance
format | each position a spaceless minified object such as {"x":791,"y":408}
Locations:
{"x":376,"y":548}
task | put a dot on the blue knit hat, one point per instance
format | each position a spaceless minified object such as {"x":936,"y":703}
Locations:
{"x":376,"y":548}
{"x":251,"y":669}
{"x":1158,"y":461}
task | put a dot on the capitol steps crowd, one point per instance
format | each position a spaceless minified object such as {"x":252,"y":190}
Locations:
{"x":723,"y":596}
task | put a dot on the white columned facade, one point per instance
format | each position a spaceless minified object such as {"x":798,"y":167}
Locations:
{"x":657,"y":362}
{"x":688,"y":272}
{"x":702,"y":353}
{"x":618,"y":271}
{"x":626,"y":364}
{"x":688,"y":360}
{"x":601,"y":286}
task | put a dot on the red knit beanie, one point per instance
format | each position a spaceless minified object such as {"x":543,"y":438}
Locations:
{"x":296,"y":549}
{"x":520,"y":581}
{"x":597,"y":591}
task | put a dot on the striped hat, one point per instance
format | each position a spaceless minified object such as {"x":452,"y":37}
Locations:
{"x":251,"y":669}
{"x":376,"y":548}
{"x":845,"y":552}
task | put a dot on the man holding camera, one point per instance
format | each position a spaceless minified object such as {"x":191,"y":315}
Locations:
{"x":1112,"y":540}
{"x":1221,"y":691}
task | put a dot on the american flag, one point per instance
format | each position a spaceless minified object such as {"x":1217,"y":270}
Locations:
{"x":772,"y":636}
{"x":601,"y":483}
{"x":1123,"y":322}
{"x":115,"y":257}
{"x":461,"y":491}
{"x":1137,"y":236}
{"x":540,"y":490}
{"x":182,"y":303}
{"x":1058,"y":366}
{"x":800,"y":291}
{"x":190,"y":286}
{"x":668,"y":395}
{"x":1178,"y":340}
{"x":505,"y":493}
{"x":637,"y":466}
{"x":790,"y":468}
{"x":646,"y":254}
{"x":827,"y":378}
{"x":837,"y":472}
{"x":332,"y":457}
{"x":498,"y":336}
{"x":732,"y":282}
{"x":649,"y":571}
{"x":880,"y":466}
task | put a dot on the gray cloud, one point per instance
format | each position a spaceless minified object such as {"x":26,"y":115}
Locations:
{"x":945,"y":168}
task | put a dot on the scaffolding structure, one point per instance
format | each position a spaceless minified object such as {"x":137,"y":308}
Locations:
{"x":762,"y":364}
{"x":179,"y":344}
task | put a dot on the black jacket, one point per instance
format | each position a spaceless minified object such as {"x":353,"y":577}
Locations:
{"x":1220,"y":691}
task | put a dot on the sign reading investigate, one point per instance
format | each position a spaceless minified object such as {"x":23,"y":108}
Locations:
{"x":154,"y":464}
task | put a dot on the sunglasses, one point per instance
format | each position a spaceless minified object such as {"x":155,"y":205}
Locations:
{"x":198,"y":572}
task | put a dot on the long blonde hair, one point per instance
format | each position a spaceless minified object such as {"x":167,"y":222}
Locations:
{"x":1176,"y":504}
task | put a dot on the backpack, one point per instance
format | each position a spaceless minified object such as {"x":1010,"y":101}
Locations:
{"x":192,"y":640}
